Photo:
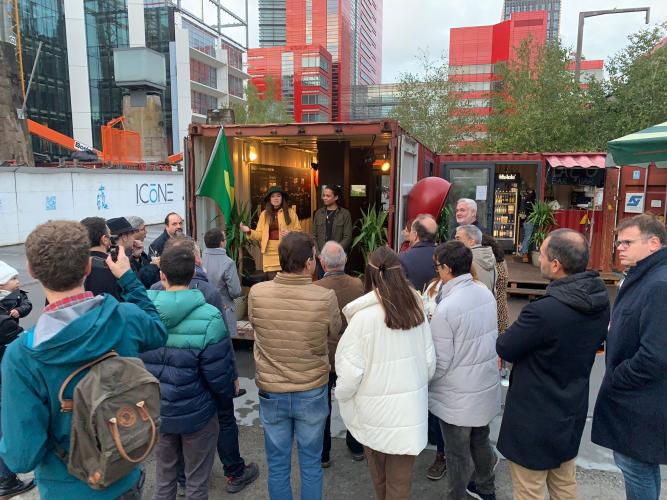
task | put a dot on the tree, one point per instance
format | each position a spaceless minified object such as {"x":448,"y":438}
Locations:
{"x":429,"y":107}
{"x":537,"y":105}
{"x":634,"y":96}
{"x":262,"y":108}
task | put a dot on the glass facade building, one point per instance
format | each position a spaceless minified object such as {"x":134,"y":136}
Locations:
{"x":374,"y":102}
{"x":272,"y":21}
{"x":106,"y":29}
{"x":349,"y":30}
{"x":49,"y":101}
{"x":553,"y":8}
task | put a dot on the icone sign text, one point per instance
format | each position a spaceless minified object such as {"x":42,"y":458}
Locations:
{"x":153,"y":193}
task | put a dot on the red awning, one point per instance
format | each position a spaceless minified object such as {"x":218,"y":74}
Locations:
{"x":595,"y":160}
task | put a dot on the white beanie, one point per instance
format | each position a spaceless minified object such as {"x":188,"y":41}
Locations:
{"x":7,"y":272}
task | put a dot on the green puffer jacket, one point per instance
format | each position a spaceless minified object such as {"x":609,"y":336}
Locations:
{"x":196,"y":367}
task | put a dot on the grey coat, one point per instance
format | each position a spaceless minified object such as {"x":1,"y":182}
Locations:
{"x":485,"y":264}
{"x":221,"y":272}
{"x":465,"y":390}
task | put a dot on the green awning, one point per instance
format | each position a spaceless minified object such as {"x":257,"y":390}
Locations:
{"x":640,"y":148}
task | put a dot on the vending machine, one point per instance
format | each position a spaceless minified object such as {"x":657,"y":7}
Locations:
{"x":506,"y":211}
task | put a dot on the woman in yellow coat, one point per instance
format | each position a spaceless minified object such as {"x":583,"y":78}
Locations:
{"x":275,"y":222}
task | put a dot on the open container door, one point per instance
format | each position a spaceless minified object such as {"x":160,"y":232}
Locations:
{"x":405,"y":176}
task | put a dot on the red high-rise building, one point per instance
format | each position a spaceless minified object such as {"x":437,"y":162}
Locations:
{"x":349,"y":31}
{"x":474,"y":51}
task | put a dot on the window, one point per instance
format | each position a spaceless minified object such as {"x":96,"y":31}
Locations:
{"x":203,"y":73}
{"x":236,"y":86}
{"x":200,"y":39}
{"x":315,"y":81}
{"x":313,"y":117}
{"x":316,"y":99}
{"x":475,"y":69}
{"x":201,"y":103}
{"x":234,"y":55}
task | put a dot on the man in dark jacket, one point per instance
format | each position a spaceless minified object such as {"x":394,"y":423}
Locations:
{"x":196,"y":369}
{"x":347,"y":289}
{"x":238,"y":473}
{"x":101,"y":279}
{"x":173,"y":226}
{"x":552,"y":345}
{"x":417,"y":262}
{"x":631,"y":410}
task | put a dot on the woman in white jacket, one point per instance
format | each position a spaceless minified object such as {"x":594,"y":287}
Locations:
{"x":384,"y":362}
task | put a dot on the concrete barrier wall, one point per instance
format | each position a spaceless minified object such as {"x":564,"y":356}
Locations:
{"x":31,"y":195}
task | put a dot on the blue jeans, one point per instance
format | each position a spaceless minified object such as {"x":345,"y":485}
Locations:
{"x":527,"y":233}
{"x":642,"y":480}
{"x":284,"y":416}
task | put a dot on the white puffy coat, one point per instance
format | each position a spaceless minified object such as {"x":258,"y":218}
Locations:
{"x":383,"y":374}
{"x":465,"y":389}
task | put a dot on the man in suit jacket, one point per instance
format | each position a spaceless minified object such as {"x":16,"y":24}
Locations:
{"x":552,"y":345}
{"x":631,"y":410}
{"x":347,"y":289}
{"x":417,"y":262}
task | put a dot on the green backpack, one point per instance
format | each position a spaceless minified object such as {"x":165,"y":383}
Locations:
{"x":115,"y":419}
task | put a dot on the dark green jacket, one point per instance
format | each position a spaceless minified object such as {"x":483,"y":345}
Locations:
{"x":342,"y":228}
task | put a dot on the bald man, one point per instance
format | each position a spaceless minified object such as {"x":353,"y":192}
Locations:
{"x":417,"y":262}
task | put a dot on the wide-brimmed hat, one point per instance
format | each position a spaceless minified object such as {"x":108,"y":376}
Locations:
{"x":275,"y":189}
{"x":119,"y":226}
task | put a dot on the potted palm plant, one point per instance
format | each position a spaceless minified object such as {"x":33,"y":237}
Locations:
{"x":239,"y":246}
{"x":372,"y":231}
{"x":542,"y":218}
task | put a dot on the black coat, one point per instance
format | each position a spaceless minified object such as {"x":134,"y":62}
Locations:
{"x":9,"y":327}
{"x":552,"y":345}
{"x":156,"y":248}
{"x":631,"y":410}
{"x":101,"y":279}
{"x":417,"y":264}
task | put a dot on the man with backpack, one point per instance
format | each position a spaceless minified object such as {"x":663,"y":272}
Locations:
{"x":75,"y":329}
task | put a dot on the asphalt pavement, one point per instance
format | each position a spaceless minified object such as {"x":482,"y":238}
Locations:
{"x":597,"y":476}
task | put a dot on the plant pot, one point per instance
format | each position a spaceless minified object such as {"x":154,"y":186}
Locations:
{"x":535,"y":258}
{"x":241,"y":305}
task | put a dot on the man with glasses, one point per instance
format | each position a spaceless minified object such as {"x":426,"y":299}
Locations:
{"x":631,"y":410}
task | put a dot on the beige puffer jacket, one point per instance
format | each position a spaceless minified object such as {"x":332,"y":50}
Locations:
{"x":292,"y":319}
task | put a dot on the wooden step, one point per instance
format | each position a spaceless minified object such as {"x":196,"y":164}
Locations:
{"x":531,"y":293}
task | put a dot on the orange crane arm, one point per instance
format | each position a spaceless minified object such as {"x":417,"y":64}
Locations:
{"x":48,"y":134}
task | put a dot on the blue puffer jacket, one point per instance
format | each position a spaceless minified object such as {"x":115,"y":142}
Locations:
{"x":196,"y":366}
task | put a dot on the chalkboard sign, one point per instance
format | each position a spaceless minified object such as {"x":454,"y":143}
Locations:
{"x":576,"y":176}
{"x":294,"y":181}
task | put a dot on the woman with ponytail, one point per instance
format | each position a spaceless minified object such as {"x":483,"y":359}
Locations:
{"x":384,"y":363}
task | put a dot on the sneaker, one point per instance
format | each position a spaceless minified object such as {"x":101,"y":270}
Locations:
{"x":438,"y":468}
{"x":325,"y":463}
{"x":358,"y":457}
{"x":236,"y":484}
{"x":471,"y":490}
{"x":12,"y":486}
{"x":180,"y":490}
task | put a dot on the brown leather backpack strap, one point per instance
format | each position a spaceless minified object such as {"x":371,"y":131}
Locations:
{"x":66,"y":404}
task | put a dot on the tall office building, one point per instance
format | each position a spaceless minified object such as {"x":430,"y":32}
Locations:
{"x":74,"y":90}
{"x":475,"y":51}
{"x":350,"y":31}
{"x":553,"y":8}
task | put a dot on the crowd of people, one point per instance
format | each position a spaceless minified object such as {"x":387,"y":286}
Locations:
{"x":412,"y":354}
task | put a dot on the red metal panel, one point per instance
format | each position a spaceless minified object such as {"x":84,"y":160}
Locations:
{"x":585,"y":221}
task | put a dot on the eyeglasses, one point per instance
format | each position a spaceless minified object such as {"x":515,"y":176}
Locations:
{"x":627,"y":243}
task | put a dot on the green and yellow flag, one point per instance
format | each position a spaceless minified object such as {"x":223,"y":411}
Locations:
{"x":218,"y":180}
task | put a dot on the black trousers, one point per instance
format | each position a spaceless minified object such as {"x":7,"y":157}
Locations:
{"x":352,"y":444}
